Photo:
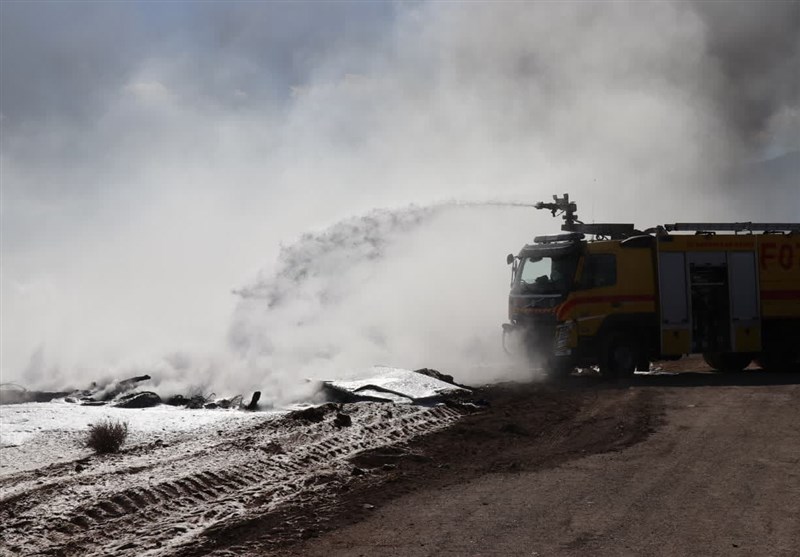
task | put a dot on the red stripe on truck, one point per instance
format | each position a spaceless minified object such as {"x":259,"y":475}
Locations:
{"x":569,"y":304}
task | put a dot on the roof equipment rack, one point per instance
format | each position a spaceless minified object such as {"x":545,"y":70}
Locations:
{"x":733,"y":226}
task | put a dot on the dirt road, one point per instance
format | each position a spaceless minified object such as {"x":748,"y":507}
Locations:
{"x":720,"y":475}
{"x":690,"y":464}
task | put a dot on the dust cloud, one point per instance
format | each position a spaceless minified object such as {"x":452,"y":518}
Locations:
{"x":244,"y":195}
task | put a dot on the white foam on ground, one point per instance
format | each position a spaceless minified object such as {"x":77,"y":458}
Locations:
{"x":37,"y":434}
{"x":405,"y":385}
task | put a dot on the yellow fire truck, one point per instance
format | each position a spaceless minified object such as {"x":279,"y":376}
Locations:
{"x":729,"y":291}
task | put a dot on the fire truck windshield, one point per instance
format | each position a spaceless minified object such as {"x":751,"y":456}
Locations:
{"x":546,"y":275}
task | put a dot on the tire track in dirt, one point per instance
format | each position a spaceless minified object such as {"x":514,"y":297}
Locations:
{"x":523,"y":428}
{"x":181,"y":491}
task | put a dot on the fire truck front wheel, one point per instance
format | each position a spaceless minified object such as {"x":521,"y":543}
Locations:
{"x":621,"y":354}
{"x":727,"y":361}
{"x":558,"y":368}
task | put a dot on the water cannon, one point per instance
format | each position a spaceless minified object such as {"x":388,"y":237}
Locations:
{"x":565,"y":206}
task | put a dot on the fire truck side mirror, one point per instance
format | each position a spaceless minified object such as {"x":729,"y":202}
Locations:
{"x":509,"y":259}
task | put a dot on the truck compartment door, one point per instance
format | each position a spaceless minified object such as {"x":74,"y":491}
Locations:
{"x":673,"y":295}
{"x":745,"y":310}
{"x":709,"y":302}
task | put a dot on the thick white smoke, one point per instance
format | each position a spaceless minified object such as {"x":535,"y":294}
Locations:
{"x":391,"y":287}
{"x":128,"y":224}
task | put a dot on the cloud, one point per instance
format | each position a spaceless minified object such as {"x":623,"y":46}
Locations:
{"x":756,"y":52}
{"x":59,"y":60}
{"x":149,"y":91}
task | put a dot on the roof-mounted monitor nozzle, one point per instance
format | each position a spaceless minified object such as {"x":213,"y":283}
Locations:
{"x":562,"y":205}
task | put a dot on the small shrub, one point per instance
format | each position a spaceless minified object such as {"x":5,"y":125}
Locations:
{"x":107,"y":436}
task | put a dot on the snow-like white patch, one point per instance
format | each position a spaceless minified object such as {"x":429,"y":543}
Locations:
{"x":37,"y":434}
{"x":187,"y":472}
{"x":397,"y":385}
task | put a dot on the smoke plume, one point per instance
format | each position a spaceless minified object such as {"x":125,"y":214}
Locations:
{"x":240,"y":195}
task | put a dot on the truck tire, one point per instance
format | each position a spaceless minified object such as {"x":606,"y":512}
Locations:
{"x":727,"y":362}
{"x":621,"y":354}
{"x":558,"y":368}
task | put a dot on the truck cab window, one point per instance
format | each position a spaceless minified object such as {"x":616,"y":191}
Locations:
{"x":545,"y":275}
{"x":599,"y":270}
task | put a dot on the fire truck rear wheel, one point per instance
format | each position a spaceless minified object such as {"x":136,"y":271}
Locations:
{"x":558,"y":368}
{"x":727,"y":362}
{"x":620,"y":357}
